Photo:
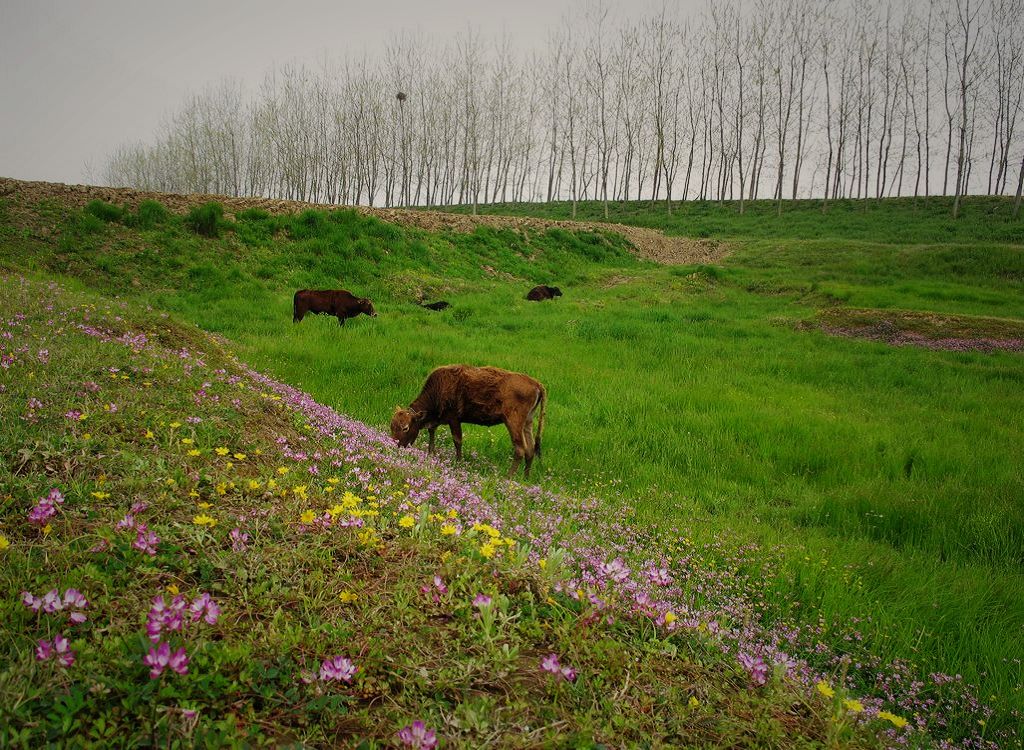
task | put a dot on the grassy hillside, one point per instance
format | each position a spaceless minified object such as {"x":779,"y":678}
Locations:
{"x":312,"y":586}
{"x":887,"y":479}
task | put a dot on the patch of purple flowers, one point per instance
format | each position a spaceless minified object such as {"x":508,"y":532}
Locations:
{"x":46,"y":508}
{"x":52,"y":602}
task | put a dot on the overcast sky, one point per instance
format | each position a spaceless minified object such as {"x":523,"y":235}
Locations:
{"x":80,"y":77}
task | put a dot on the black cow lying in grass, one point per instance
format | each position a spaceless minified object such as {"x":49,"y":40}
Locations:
{"x":441,"y":305}
{"x":542,"y":292}
{"x":487,"y":396}
{"x":340,"y":303}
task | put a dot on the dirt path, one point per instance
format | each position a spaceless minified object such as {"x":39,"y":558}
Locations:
{"x":648,"y":243}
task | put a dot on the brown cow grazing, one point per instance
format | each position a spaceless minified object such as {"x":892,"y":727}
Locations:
{"x":487,"y":396}
{"x":542,"y":292}
{"x":340,"y":303}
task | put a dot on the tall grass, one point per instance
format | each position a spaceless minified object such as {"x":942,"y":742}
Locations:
{"x":890,"y":477}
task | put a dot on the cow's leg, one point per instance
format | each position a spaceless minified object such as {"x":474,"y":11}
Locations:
{"x":341,"y":320}
{"x":528,"y":444}
{"x":430,"y":432}
{"x":514,"y":424}
{"x":457,"y":438}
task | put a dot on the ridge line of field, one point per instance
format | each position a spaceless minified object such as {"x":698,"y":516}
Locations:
{"x":649,"y":244}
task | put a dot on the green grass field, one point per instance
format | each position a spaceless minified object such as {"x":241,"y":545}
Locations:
{"x":890,"y":478}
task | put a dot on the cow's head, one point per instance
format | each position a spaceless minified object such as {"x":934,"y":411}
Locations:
{"x":555,"y":291}
{"x":365,"y":306}
{"x":404,"y":426}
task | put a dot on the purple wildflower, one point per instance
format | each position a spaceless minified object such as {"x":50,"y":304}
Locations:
{"x":60,"y":647}
{"x":146,"y":541}
{"x":616,"y":570}
{"x":481,"y":601}
{"x":417,"y":736}
{"x":160,"y":658}
{"x":239,"y":540}
{"x":755,"y":667}
{"x":163,"y":616}
{"x":46,"y":508}
{"x":337,"y":668}
{"x":205,"y":604}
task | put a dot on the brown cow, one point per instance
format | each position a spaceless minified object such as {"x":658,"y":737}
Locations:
{"x":542,"y":292}
{"x":340,"y":303}
{"x":487,"y":396}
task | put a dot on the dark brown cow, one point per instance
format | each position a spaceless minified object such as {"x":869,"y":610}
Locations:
{"x":487,"y":396}
{"x":340,"y":303}
{"x":437,"y":306}
{"x":542,"y":292}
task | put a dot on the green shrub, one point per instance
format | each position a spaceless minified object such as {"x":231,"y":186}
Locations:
{"x":108,"y":212}
{"x":207,"y":219}
{"x":150,"y":214}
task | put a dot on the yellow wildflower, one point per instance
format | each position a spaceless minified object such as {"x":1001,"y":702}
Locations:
{"x":149,"y":434}
{"x":47,"y":529}
{"x":222,"y":488}
{"x":347,"y":597}
{"x":693,"y":702}
{"x":282,"y":470}
{"x":329,"y":488}
{"x":333,"y":480}
{"x":447,"y":530}
{"x":407,"y":521}
{"x":670,"y":617}
{"x":4,"y":543}
{"x":271,"y":484}
{"x":445,"y":555}
{"x":195,"y":452}
{"x":240,"y":456}
{"x":452,"y":513}
{"x":229,"y":464}
{"x":100,"y":495}
{"x":83,"y":417}
{"x":824,"y":688}
{"x":204,"y":506}
{"x":488,"y":549}
{"x":204,"y":520}
{"x":172,"y":589}
{"x":222,"y":451}
{"x":897,"y":721}
{"x":543,"y":563}
{"x":307,"y":516}
{"x":368,"y":537}
{"x":300,"y":491}
{"x":253,"y":484}
{"x":87,"y":436}
{"x":187,"y":441}
{"x":175,"y":425}
{"x":193,"y":493}
{"x":853,"y":705}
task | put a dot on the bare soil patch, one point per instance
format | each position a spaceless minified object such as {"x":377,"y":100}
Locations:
{"x":649,"y":244}
{"x":924,"y":329}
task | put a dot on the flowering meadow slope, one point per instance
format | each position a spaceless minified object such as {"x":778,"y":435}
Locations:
{"x":194,"y":554}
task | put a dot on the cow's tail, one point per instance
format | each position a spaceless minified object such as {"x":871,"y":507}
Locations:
{"x":543,"y":401}
{"x":297,"y":313}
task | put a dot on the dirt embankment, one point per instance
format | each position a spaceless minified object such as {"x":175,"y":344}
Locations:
{"x":958,"y":333}
{"x":649,"y":244}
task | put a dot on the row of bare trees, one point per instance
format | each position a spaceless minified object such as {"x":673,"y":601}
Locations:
{"x":772,"y":99}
